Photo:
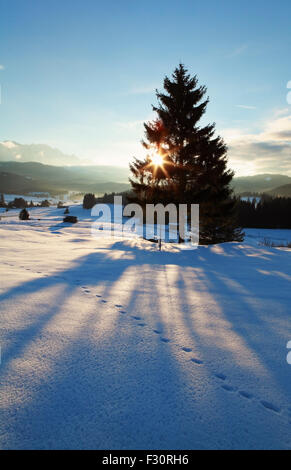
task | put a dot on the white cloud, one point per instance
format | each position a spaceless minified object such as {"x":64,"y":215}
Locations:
{"x":278,"y":129}
{"x":8,"y":144}
{"x":267,"y":151}
{"x":2,"y":67}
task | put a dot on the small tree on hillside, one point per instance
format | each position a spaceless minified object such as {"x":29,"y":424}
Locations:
{"x":186,"y":162}
{"x":2,"y":201}
{"x":44,"y":203}
{"x":17,"y":203}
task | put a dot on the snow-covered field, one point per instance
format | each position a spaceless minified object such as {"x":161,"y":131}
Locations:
{"x":109,"y":343}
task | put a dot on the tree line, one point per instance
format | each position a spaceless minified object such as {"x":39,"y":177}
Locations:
{"x":21,"y":203}
{"x":267,"y":212}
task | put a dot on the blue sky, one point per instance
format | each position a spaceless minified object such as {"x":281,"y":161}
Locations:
{"x":80,"y":75}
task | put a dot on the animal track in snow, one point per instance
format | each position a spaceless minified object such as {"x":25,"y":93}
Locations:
{"x":187,"y":349}
{"x":245,"y":394}
{"x":165,"y":340}
{"x":229,"y":388}
{"x":220,"y":376}
{"x":197,"y":361}
{"x":270,"y":406}
{"x":85,"y":289}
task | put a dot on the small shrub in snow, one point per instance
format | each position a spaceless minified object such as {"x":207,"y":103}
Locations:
{"x":67,"y":211}
{"x":24,"y":214}
{"x":266,"y":242}
{"x":270,"y":244}
{"x":71,"y":219}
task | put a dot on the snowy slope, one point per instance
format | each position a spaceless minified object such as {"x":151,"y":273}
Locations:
{"x":110,"y":343}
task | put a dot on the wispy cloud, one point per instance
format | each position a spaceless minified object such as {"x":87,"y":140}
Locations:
{"x":136,"y":124}
{"x":142,"y":90}
{"x":244,"y":106}
{"x":238,"y":51}
{"x":281,"y":112}
{"x":130,"y":124}
{"x":2,"y":67}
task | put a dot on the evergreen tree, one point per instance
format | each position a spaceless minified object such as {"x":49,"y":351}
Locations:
{"x":89,"y":201}
{"x":187,"y":163}
{"x":2,"y":201}
{"x":18,"y":203}
{"x":44,"y":203}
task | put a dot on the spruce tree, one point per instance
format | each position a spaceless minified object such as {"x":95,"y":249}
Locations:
{"x":192,"y":162}
{"x":89,"y":201}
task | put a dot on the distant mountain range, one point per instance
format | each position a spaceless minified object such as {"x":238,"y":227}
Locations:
{"x":37,"y":167}
{"x":24,"y":169}
{"x":13,"y":151}
{"x":276,"y":185}
{"x":24,"y":178}
{"x":283,"y":191}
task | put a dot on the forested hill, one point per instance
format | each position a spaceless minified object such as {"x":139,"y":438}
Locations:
{"x":23,"y":177}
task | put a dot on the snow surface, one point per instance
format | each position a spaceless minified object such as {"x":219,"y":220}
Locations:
{"x":110,"y":344}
